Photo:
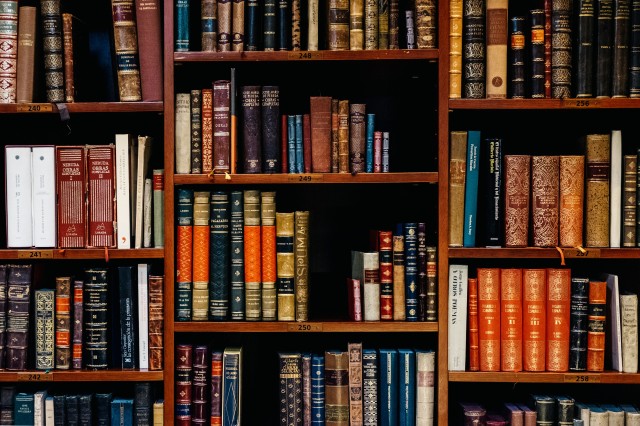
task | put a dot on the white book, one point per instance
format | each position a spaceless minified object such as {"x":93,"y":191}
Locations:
{"x":143,"y":316}
{"x":629,"y":324}
{"x":616,"y":414}
{"x":18,"y":196}
{"x":183,"y":133}
{"x":457,"y":319}
{"x":123,"y":194}
{"x":631,"y":414}
{"x":147,"y":220}
{"x":313,"y":21}
{"x":39,"y":398}
{"x":613,"y":336}
{"x":43,"y":195}
{"x":361,"y":262}
{"x":144,"y":152}
{"x":425,"y":386}
{"x":582,"y":412}
{"x":133,"y":175}
{"x":615,"y":189}
{"x":49,"y":419}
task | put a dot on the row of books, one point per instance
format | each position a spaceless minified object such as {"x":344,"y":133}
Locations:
{"x":549,"y":409}
{"x":397,"y":279}
{"x":84,"y":196}
{"x":336,"y":135}
{"x":71,"y":48}
{"x":542,"y":200}
{"x":44,"y":407}
{"x":251,"y":25}
{"x":74,"y":322}
{"x":540,"y":319}
{"x":239,"y":259}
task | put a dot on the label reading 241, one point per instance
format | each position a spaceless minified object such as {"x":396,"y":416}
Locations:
{"x":35,"y":254}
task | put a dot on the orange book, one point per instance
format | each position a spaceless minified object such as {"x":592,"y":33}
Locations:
{"x":534,"y":317}
{"x":558,"y":318}
{"x":596,"y":321}
{"x":201,"y":233}
{"x":511,"y":319}
{"x":252,"y":256}
{"x":489,"y":318}
{"x":474,"y":354}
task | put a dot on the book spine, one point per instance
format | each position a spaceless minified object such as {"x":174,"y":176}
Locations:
{"x":457,"y":177}
{"x":343,"y":136}
{"x":183,"y":133}
{"x":378,"y":138}
{"x":67,"y":47}
{"x":196,"y":130}
{"x":149,"y":32}
{"x":615,"y":189}
{"x":411,"y":270}
{"x":629,"y":325}
{"x":124,"y":146}
{"x":336,"y":387}
{"x":383,"y":24}
{"x":473,"y":332}
{"x":510,"y":319}
{"x":231,"y":386}
{"x":604,"y":47}
{"x":634,"y":51}
{"x":597,"y":161}
{"x":517,"y":184}
{"x":306,"y":388}
{"x":200,"y":385}
{"x":544,"y":199}
{"x":237,"y":25}
{"x":182,"y":40}
{"x":306,"y":143}
{"x":496,"y":53}
{"x":252,"y":129}
{"x":291,"y":143}
{"x":225,"y":25}
{"x":489,"y":329}
{"x":126,"y":50}
{"x":296,"y":20}
{"x":285,"y":262}
{"x":252,"y":258}
{"x":252,"y":25}
{"x":51,"y":21}
{"x":620,"y":54}
{"x":385,"y":250}
{"x":399,"y":311}
{"x":558,"y":318}
{"x":96,"y":326}
{"x":216,"y":388}
{"x":548,"y":48}
{"x":426,"y":24}
{"x":629,"y":200}
{"x":561,"y":28}
{"x":356,"y":24}
{"x":457,"y":316}
{"x":156,"y":322}
{"x":491,"y":167}
{"x":269,"y":25}
{"x":637,"y":244}
{"x":371,"y":22}
{"x":406,"y":386}
{"x":472,"y":49}
{"x":202,"y":235}
{"x":78,"y":309}
{"x":18,"y":165}
{"x":394,"y":12}
{"x":43,"y":195}
{"x":291,"y":404}
{"x":388,"y":401}
{"x":354,"y":299}
{"x":338,"y":33}
{"x":236,"y":241}
{"x":317,"y":390}
{"x":25,"y":66}
{"x":355,"y":384}
{"x":596,"y":321}
{"x":301,"y":254}
{"x":207,"y":130}
{"x":184,"y":382}
{"x":538,"y":46}
{"x":422,"y":271}
{"x":219,"y":279}
{"x":158,"y":208}
{"x":18,"y":290}
{"x":357,"y":135}
{"x":221,"y":126}
{"x":101,"y":196}
{"x":184,"y":255}
{"x":283,"y":25}
{"x":44,"y":322}
{"x":585,"y":37}
{"x":571,"y":202}
{"x":3,"y":316}
{"x":517,"y":44}
{"x":534,"y":322}
{"x":370,"y":386}
{"x":209,"y":24}
{"x":63,"y":323}
{"x":456,"y":30}
{"x":268,"y":255}
{"x":270,"y":108}
{"x":335,"y":138}
{"x":320,"y":114}
{"x":369,"y":135}
{"x":471,"y":188}
{"x":579,"y":309}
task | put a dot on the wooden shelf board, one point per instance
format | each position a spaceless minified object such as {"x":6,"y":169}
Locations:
{"x":319,"y":55}
{"x":97,"y":107}
{"x":70,"y":254}
{"x":523,"y":104}
{"x":579,"y":377}
{"x":305,"y":327}
{"x":111,"y":375}
{"x":307,"y":178}
{"x":544,"y":253}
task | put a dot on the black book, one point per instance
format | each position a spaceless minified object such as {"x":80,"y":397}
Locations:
{"x":269,"y":24}
{"x":422,"y":271}
{"x":491,"y":210}
{"x":96,"y":319}
{"x":251,"y":129}
{"x":3,"y":312}
{"x":219,"y":246}
{"x":537,"y":53}
{"x":561,"y":29}
{"x":545,"y":407}
{"x":621,"y":32}
{"x":604,"y":48}
{"x":564,"y":409}
{"x":473,"y":49}
{"x":7,"y":395}
{"x":59,"y":410}
{"x":579,"y":311}
{"x":73,"y":410}
{"x":103,"y":409}
{"x":200,"y":385}
{"x":584,"y":48}
{"x":128,"y":300}
{"x":517,"y":45}
{"x":270,"y":107}
{"x":196,"y":131}
{"x":284,"y":25}
{"x":252,"y":27}
{"x":85,"y":409}
{"x":143,"y":404}
{"x":18,"y":299}
{"x":634,"y":51}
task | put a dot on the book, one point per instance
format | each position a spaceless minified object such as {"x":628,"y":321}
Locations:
{"x":320,"y":114}
{"x":491,"y":213}
{"x":63,"y":323}
{"x":232,"y":386}
{"x":399,"y":311}
{"x":158,"y":412}
{"x":306,"y":387}
{"x":425,"y":24}
{"x":158,"y":208}
{"x":388,"y":387}
{"x":236,"y":268}
{"x":301,"y":256}
{"x":561,"y":49}
{"x":25,"y":65}
{"x":39,"y":398}
{"x":96,"y":299}
{"x":571,"y":200}
{"x":75,"y":43}
{"x":537,"y":53}
{"x":142,"y":403}
{"x":489,"y":327}
{"x":534,"y":318}
{"x":156,"y":322}
{"x":510,"y":319}
{"x":144,"y":153}
{"x":455,"y":46}
{"x":369,"y":141}
{"x":371,"y":22}
{"x":473,"y":412}
{"x":357,"y":134}
{"x":18,"y":187}
{"x":222,"y":126}
{"x":597,"y":189}
{"x":285,"y":264}
{"x":317,"y":389}
{"x":620,"y":55}
{"x":355,"y":383}
{"x":121,"y":410}
{"x":558,"y":319}
{"x":544,"y":200}
{"x":473,"y":331}
{"x":296,"y":19}
{"x":615,"y":189}
{"x":207,"y":129}
{"x":356,"y":24}
{"x":604,"y":47}
{"x":182,"y":30}
{"x":268,"y":255}
{"x":630,"y":170}
{"x":78,"y":310}
{"x":579,"y":309}
{"x":195,"y":96}
{"x":43,"y":196}
{"x":457,"y":316}
{"x":425,"y":386}
{"x":252,"y":258}
{"x":496,"y":49}
{"x":517,"y":183}
{"x":184,"y":255}
{"x":23,"y":408}
{"x":252,"y":129}
{"x":584,"y":50}
{"x":370,"y":377}
{"x":457,"y":178}
{"x":126,"y":50}
{"x":124,"y":144}
{"x":284,"y":25}
{"x":143,"y":315}
{"x":406,"y":386}
{"x":184,"y":381}
{"x":270,"y":110}
{"x":474,"y":149}
{"x":44,"y":300}
{"x":634,"y":49}
{"x":291,"y":404}
{"x":472,"y":49}
{"x":3,"y":314}
{"x":343,"y":136}
{"x":410,"y":230}
{"x":269,"y":25}
{"x":517,"y":41}
{"x":52,"y":49}
{"x":237,"y":25}
{"x":338,"y":33}
{"x":149,"y":32}
{"x":596,"y":325}
{"x":183,"y":133}
{"x":101,"y":193}
{"x":629,"y":331}
{"x":613,"y":333}
{"x":216,"y":387}
{"x":385,"y":257}
{"x":219,"y":280}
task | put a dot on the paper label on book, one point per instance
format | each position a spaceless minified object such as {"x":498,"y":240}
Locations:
{"x":304,"y":326}
{"x":305,"y":178}
{"x":35,"y":254}
{"x":591,"y":253}
{"x":304,"y":55}
{"x":34,"y":107}
{"x":35,"y":377}
{"x":582,"y":378}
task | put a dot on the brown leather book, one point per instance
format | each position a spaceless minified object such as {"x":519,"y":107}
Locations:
{"x":497,"y":42}
{"x":67,"y":44}
{"x":237,"y":25}
{"x":534,"y":314}
{"x":629,"y":200}
{"x":357,"y":136}
{"x":225,"y":14}
{"x":558,"y":318}
{"x":511,"y":319}
{"x":126,"y":49}
{"x":355,"y":383}
{"x":207,"y":130}
{"x":307,"y":147}
{"x":426,"y":24}
{"x":474,"y":351}
{"x":517,"y":182}
{"x":63,"y":323}
{"x":489,"y":318}
{"x":544,"y":203}
{"x":335,"y":139}
{"x":301,"y":250}
{"x":457,"y":172}
{"x":156,"y":322}
{"x":596,"y":322}
{"x":320,"y":111}
{"x":149,"y":26}
{"x":571,"y":200}
{"x":26,"y":53}
{"x":343,"y":136}
{"x":399,"y":311}
{"x":338,"y":18}
{"x":221,"y":126}
{"x":385,"y":249}
{"x":285,"y":264}
{"x":597,"y":159}
{"x":336,"y":382}
{"x":356,"y":24}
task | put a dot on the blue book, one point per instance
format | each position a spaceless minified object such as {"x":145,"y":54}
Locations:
{"x":103,"y":408}
{"x":103,"y":69}
{"x":370,"y":128}
{"x":252,"y":27}
{"x":388,"y":408}
{"x":237,"y":255}
{"x":182,"y":26}
{"x":284,"y":25}
{"x":291,"y":142}
{"x":231,"y":386}
{"x":370,"y":386}
{"x":410,"y":230}
{"x":471,"y":189}
{"x":122,"y":412}
{"x":127,"y":291}
{"x":219,"y":261}
{"x":269,"y":24}
{"x":299,"y":145}
{"x":407,"y":387}
{"x":317,"y":390}
{"x":23,"y":409}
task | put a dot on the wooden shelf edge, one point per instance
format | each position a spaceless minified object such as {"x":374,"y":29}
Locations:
{"x":552,"y":104}
{"x":111,"y":375}
{"x":307,"y":178}
{"x":82,"y":107}
{"x":305,"y":55}
{"x":578,"y":377}
{"x":304,"y":327}
{"x":588,"y":253}
{"x":73,"y":254}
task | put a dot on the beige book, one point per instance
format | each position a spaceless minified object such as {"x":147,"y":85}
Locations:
{"x":356,"y":24}
{"x":26,"y":53}
{"x":497,"y":42}
{"x":597,"y":171}
{"x":285,"y":266}
{"x":457,"y":174}
{"x":313,"y":21}
{"x":629,"y":325}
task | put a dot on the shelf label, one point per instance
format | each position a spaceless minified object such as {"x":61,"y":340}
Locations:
{"x":582,"y":378}
{"x":304,"y":326}
{"x":306,"y":178}
{"x":41,"y":107}
{"x":587,"y":253}
{"x":580,"y":103}
{"x":35,"y":377}
{"x":35,"y":254}
{"x":304,"y":55}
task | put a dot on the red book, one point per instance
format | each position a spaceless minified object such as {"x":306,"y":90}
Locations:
{"x":596,"y":322}
{"x":71,"y":187}
{"x":320,"y":113}
{"x":558,"y":318}
{"x":306,"y":142}
{"x":534,"y":318}
{"x":150,"y":45}
{"x":354,"y":299}
{"x":516,"y":210}
{"x":156,"y":322}
{"x":547,"y":48}
{"x":76,"y":352}
{"x":221,"y":126}
{"x":474,"y":353}
{"x":101,"y":195}
{"x":216,"y":388}
{"x":284,"y":140}
{"x":207,"y":130}
{"x":183,"y":377}
{"x":385,"y":249}
{"x":489,"y":318}
{"x":511,"y":319}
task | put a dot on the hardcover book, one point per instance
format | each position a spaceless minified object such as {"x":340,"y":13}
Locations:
{"x":457,"y":320}
{"x":425,"y":386}
{"x":558,"y":318}
{"x":496,"y":45}
{"x":44,"y":328}
{"x":219,"y":280}
{"x":306,"y":388}
{"x":182,"y":30}
{"x":406,"y":386}
{"x":388,"y":387}
{"x":25,"y":65}
{"x":143,"y":315}
{"x":222,"y":126}
{"x":285,"y":264}
{"x":620,"y":46}
{"x":343,"y":136}
{"x":63,"y":323}
{"x":516,"y":87}
{"x":268,"y":255}
{"x":473,"y":48}
{"x":385,"y":249}
{"x":43,"y":196}
{"x":183,"y":133}
{"x":471,"y":188}
{"x":18,"y":188}
{"x":236,"y":269}
{"x":613,"y":332}
{"x":3,"y":314}
{"x":126,"y":50}
{"x":19,"y":287}
{"x":355,"y":384}
{"x":534,"y":318}
{"x":184,"y":255}
{"x":149,"y":32}
{"x":156,"y":322}
{"x":491,"y":212}
{"x":78,"y":317}
{"x":196,"y":130}
{"x":544,"y":200}
{"x":225,"y":25}
{"x":317,"y":390}
{"x":629,"y":332}
{"x":252,"y":129}
{"x":370,"y":378}
{"x":561,"y":48}
{"x":489,"y":318}
{"x":585,"y":36}
{"x":97,"y":327}
{"x":604,"y":47}
{"x":338,"y":26}
{"x":615,"y":189}
{"x":537,"y":73}
{"x":207,"y":129}
{"x":629,"y":201}
{"x":473,"y":331}
{"x":336,"y":387}
{"x":455,"y":45}
{"x":291,"y":404}
{"x":579,"y":310}
{"x":320,"y":112}
{"x":216,"y":388}
{"x":510,"y":319}
{"x":597,"y":172}
{"x":252,"y":257}
{"x":101,"y":193}
{"x":237,"y":25}
{"x":357,"y":134}
{"x":571,"y":202}
{"x":410,"y":230}
{"x":270,"y":109}
{"x":399,"y":312}
{"x":301,"y":253}
{"x":457,"y":177}
{"x":596,"y":325}
{"x":51,"y":22}
{"x":517,"y":183}
{"x":371,"y":22}
{"x":184,"y":381}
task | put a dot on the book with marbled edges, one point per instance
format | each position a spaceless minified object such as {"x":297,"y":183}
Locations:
{"x":268,"y":255}
{"x":219,"y":245}
{"x":63,"y":323}
{"x":597,"y":164}
{"x":534,"y":318}
{"x":317,"y":390}
{"x":270,"y":107}
{"x":44,"y":300}
{"x":290,"y":374}
{"x":489,"y":318}
{"x":201,"y":240}
{"x":544,"y":200}
{"x":511,"y":319}
{"x":370,"y":386}
{"x":236,"y":235}
{"x":571,"y":202}
{"x":517,"y":182}
{"x":285,"y":264}
{"x":579,"y":309}
{"x":252,"y":257}
{"x":558,"y":318}
{"x":184,"y":254}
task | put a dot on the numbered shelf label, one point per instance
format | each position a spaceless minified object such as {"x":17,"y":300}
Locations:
{"x":34,"y":107}
{"x":588,"y":253}
{"x":580,"y":103}
{"x":35,"y":377}
{"x":305,"y":178}
{"x":35,"y":254}
{"x":302,"y":327}
{"x":304,"y":55}
{"x":582,"y":378}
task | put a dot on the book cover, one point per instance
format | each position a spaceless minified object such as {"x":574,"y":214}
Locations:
{"x":269,"y":25}
{"x":252,"y":16}
{"x":222,"y":126}
{"x":43,"y":195}
{"x":496,"y":45}
{"x":356,"y":24}
{"x":300,"y":152}
{"x":317,"y":389}
{"x":511,"y":319}
{"x":517,"y":54}
{"x":149,"y":31}
{"x":370,"y":376}
{"x":579,"y":309}
{"x":97,"y":327}
{"x":544,"y":200}
{"x":629,"y":331}
{"x":63,"y":323}
{"x":182,"y":30}
{"x":335,"y":139}
{"x":183,"y":133}
{"x":268,"y":255}
{"x":101,"y":194}
{"x":251,"y":129}
{"x":51,"y":24}
{"x":291,"y":404}
{"x":44,"y":300}
{"x":336,"y":387}
{"x":517,"y":182}
{"x":571,"y":201}
{"x":473,"y":48}
{"x":355,"y":383}
{"x":126,"y":50}
{"x":410,"y":230}
{"x":597,"y":189}
{"x":219,"y":280}
{"x":604,"y":47}
{"x":491,"y":206}
{"x":370,"y":124}
{"x":156,"y":322}
{"x":236,"y":268}
{"x":548,"y":47}
{"x":474,"y":158}
{"x":489,"y":329}
{"x":371,"y":22}
{"x":425,"y":386}
{"x":558,"y":318}
{"x":620,"y":55}
{"x":388,"y":387}
{"x":252,"y":258}
{"x":296,"y":34}
{"x":301,"y":256}
{"x":357,"y":136}
{"x":320,"y":114}
{"x":158,"y":208}
{"x":455,"y":44}
{"x":18,"y":189}
{"x":39,"y":398}
{"x":406,"y":386}
{"x":25,"y":65}
{"x":196,"y":130}
{"x":457,"y":316}
{"x":285,"y":265}
{"x":473,"y":331}
{"x":270,"y":109}
{"x":426,"y":24}
{"x":537,"y":52}
{"x":634,"y":50}
{"x":216,"y":387}
{"x":145,"y":144}
{"x":343,"y":136}
{"x":338,"y":33}
{"x":184,"y":255}
{"x":78,"y":310}
{"x":183,"y":381}
{"x":201,"y":253}
{"x":561,"y":49}
{"x":385,"y":251}
{"x":613,"y":333}
{"x":75,"y":42}
{"x":584,"y":31}
{"x":23,"y":408}
{"x":534,"y":318}
{"x":124,"y":144}
{"x":399,"y":312}
{"x":306,"y":388}
{"x":121,"y":411}
{"x":457,"y":178}
{"x":207,"y":129}
{"x":596,"y":325}
{"x":354,"y":299}
{"x":143,"y":315}
{"x":142,"y":404}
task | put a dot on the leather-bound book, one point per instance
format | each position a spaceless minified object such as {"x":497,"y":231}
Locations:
{"x":96,"y":325}
{"x":184,"y":255}
{"x":370,"y":374}
{"x":200,"y":274}
{"x":78,"y":310}
{"x":394,"y":26}
{"x":455,"y":47}
{"x":126,"y":50}
{"x":585,"y":37}
{"x":320,"y":111}
{"x":71,"y":187}
{"x":604,"y":47}
{"x":409,"y":27}
{"x":252,"y":129}
{"x":579,"y":309}
{"x":221,"y":126}
{"x":25,"y":66}
{"x":354,"y":299}
{"x":383,"y":23}
{"x":357,"y":133}
{"x":399,"y":312}
{"x":219,"y":246}
{"x":634,"y":51}
{"x":338,"y":25}
{"x":343,"y":136}
{"x":290,"y":373}
{"x":558,"y":318}
{"x":355,"y":383}
{"x":386,"y":274}
{"x":565,"y":406}
{"x":426,"y":24}
{"x":473,"y":331}
{"x":336,"y":382}
{"x":252,"y":18}
{"x":511,"y":319}
{"x":432,"y":284}
{"x":517,"y":182}
{"x":142,"y":403}
{"x":529,"y":415}
{"x":534,"y":314}
{"x":621,"y":34}
{"x":545,"y":407}
{"x":76,"y":47}
{"x":269,"y":25}
{"x":473,"y":49}
{"x":497,"y":35}
{"x":422,"y":271}
{"x":51,"y":21}
{"x":544,"y":202}
{"x":457,"y":173}
{"x":517,"y":53}
{"x":284,"y":25}
{"x":514,"y":414}
{"x":473,"y":413}
{"x":301,"y":251}
{"x":335,"y":140}
{"x":270,"y":109}
{"x":63,"y":323}
{"x":215,"y":409}
{"x":268,"y":255}
{"x":236,"y":235}
{"x":371,"y":22}
{"x":209,"y":25}
{"x":284,"y":143}
{"x":285,"y":264}
{"x":596,"y":322}
{"x":252,"y":257}
{"x":537,"y":53}
{"x":182,"y":27}
{"x":44,"y":301}
{"x":200,"y":385}
{"x":411,"y":270}
{"x":571,"y":203}
{"x":356,"y":24}
{"x":149,"y":27}
{"x":307,"y":147}
{"x":156,"y":322}
{"x":489,"y":318}
{"x":225,"y":16}
{"x":196,"y":130}
{"x":184,"y":381}
{"x":629,"y":331}
{"x":296,"y":34}
{"x":237,"y":25}
{"x":629,"y":201}
{"x":101,"y":189}
{"x":548,"y":48}
{"x":207,"y":129}
{"x":597,"y":159}
{"x":3,"y":313}
{"x":561,"y":49}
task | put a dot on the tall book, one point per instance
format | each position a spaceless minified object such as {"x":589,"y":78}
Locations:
{"x":301,"y":255}
{"x":356,"y":24}
{"x":183,"y":382}
{"x":225,"y":25}
{"x":63,"y":323}
{"x":23,"y":408}
{"x":149,"y":32}
{"x":121,"y":410}
{"x":285,"y":264}
{"x":44,"y":300}
{"x":196,"y":130}
{"x":634,"y":51}
{"x":534,"y":318}
{"x":471,"y":188}
{"x":561,"y":48}
{"x":613,"y":331}
{"x":51,"y":22}
{"x":579,"y":310}
{"x":25,"y":65}
{"x":320,"y":111}
{"x":317,"y":390}
{"x":219,"y":245}
{"x":128,"y":300}
{"x":455,"y":47}
{"x":496,"y":54}
{"x":222,"y":126}
{"x":283,"y":41}
{"x":371,"y":23}
{"x":457,"y":178}
{"x":43,"y":196}
{"x":489,"y":318}
{"x":252,"y":258}
{"x":75,"y":43}
{"x":385,"y":249}
{"x":143,"y":315}
{"x":410,"y":230}
{"x":388,"y":387}
{"x":145,"y":144}
{"x":252,"y":129}
{"x":19,"y":230}
{"x":399,"y":312}
{"x":232,"y":386}
{"x":291,"y":404}
{"x":126,"y":50}
{"x":425,"y":386}
{"x":473,"y":331}
{"x":236,"y":263}
{"x":457,"y":316}
{"x":517,"y":54}
{"x":270,"y":109}
{"x":184,"y":255}
{"x":620,"y":60}
{"x":597,"y":172}
{"x":558,"y":318}
{"x":629,"y":201}
{"x":183,"y":133}
{"x":355,"y":384}
{"x":296,"y":33}
{"x":357,"y":132}
{"x":473,"y":49}
{"x":615,"y":189}
{"x":338,"y":26}
{"x":306,"y":387}
{"x":216,"y":388}
{"x":269,"y":24}
{"x":200,"y":385}
{"x":537,"y":72}
{"x":584,"y":31}
{"x":548,"y":47}
{"x":422,"y":271}
{"x":124,"y":145}
{"x":491,"y":213}
{"x":39,"y":398}
{"x":343,"y":136}
{"x":629,"y":331}
{"x":335,"y":139}
{"x":158,"y":208}
{"x":78,"y":321}
{"x":3,"y":313}
{"x":511,"y":319}
{"x":517,"y":182}
{"x":101,"y":189}
{"x":571,"y":201}
{"x":604,"y":47}
{"x":268,"y":255}
{"x":406,"y":386}
{"x":596,"y":325}
{"x":97,"y":327}
{"x":156,"y":322}
{"x":142,"y":403}
{"x":336,"y":382}
{"x":426,"y":24}
{"x":544,"y":199}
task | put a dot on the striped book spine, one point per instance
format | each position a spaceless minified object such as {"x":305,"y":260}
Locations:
{"x":268,"y":254}
{"x":200,"y":292}
{"x":70,"y":182}
{"x":101,"y":178}
{"x":9,"y":50}
{"x":285,"y":263}
{"x":411,"y":270}
{"x":237,"y":255}
{"x":252,"y":257}
{"x":184,"y":254}
{"x":51,"y":19}
{"x":219,"y":280}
